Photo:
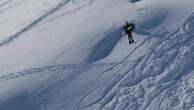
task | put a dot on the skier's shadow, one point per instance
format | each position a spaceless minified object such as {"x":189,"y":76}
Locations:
{"x":105,"y":46}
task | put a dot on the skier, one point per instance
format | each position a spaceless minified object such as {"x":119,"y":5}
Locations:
{"x":128,"y":27}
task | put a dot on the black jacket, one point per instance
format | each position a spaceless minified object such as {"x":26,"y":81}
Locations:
{"x":128,"y":28}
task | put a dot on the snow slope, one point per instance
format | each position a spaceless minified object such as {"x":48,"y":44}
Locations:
{"x":69,"y":55}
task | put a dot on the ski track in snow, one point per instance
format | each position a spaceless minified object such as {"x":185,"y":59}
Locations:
{"x":41,"y":18}
{"x":11,"y":6}
{"x":55,"y":67}
{"x":70,"y":11}
{"x":30,"y":26}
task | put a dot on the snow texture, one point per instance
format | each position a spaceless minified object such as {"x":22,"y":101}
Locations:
{"x":73,"y":55}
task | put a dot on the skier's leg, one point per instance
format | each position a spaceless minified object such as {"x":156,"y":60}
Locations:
{"x":129,"y":38}
{"x":130,"y":42}
{"x":132,"y":39}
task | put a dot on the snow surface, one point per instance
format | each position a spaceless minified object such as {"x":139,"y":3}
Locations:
{"x":69,"y":55}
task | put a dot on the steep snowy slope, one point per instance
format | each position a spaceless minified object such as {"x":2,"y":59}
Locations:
{"x":69,"y":55}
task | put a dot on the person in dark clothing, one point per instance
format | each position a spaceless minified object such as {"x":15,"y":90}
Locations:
{"x":128,"y":28}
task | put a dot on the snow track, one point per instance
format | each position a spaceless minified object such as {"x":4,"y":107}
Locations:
{"x":30,"y":26}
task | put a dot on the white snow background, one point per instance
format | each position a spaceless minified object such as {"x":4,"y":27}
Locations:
{"x":70,"y":55}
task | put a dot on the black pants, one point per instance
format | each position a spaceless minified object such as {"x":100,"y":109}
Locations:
{"x":130,"y":38}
